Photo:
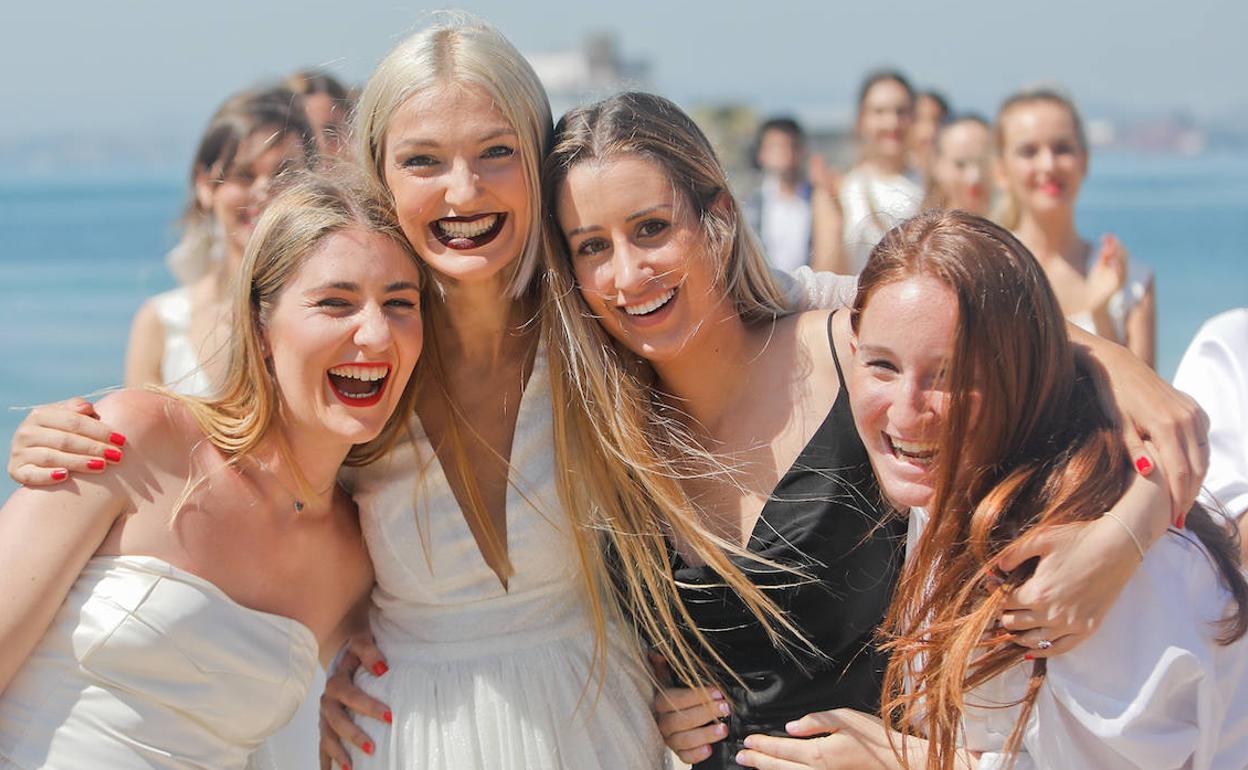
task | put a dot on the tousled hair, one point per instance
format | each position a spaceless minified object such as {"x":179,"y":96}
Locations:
{"x":1044,"y":453}
{"x":623,"y":452}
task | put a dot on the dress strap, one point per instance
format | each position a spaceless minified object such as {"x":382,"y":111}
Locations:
{"x":832,"y":345}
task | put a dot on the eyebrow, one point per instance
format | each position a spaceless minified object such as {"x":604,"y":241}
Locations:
{"x":355,"y":287}
{"x":629,"y":218}
{"x":419,"y":141}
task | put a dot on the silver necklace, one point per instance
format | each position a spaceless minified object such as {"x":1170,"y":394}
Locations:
{"x":298,"y":504}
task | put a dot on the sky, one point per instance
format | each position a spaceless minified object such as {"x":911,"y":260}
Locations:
{"x":160,"y":67}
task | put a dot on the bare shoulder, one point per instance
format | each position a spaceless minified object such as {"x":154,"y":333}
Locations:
{"x":149,"y":419}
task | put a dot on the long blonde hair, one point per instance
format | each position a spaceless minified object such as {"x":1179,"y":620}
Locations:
{"x":246,"y":411}
{"x":622,"y":454}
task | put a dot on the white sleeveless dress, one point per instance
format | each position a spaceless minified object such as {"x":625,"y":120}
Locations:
{"x":149,"y":666}
{"x":296,"y":745}
{"x":482,"y":677}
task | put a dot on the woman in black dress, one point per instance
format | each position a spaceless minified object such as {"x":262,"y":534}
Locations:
{"x":711,"y":438}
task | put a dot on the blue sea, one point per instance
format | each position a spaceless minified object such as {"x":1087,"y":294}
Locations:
{"x":77,"y":258}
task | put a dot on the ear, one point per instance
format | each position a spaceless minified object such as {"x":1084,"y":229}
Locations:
{"x":722,"y":205}
{"x":205,"y":190}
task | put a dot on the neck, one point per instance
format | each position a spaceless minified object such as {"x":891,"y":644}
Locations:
{"x":314,"y":459}
{"x":885,"y":166}
{"x":480,"y":325}
{"x":785,"y":182}
{"x":707,"y":379}
{"x":1051,"y":237}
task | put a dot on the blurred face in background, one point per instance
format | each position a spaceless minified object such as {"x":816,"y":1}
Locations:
{"x":962,"y":168}
{"x":329,"y":122}
{"x":928,"y":116}
{"x":884,"y":121}
{"x":780,"y":153}
{"x":238,"y":197}
{"x":1042,"y":160}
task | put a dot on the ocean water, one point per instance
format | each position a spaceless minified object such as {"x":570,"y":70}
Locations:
{"x":77,"y":259}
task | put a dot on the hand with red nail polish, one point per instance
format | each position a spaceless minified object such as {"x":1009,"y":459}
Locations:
{"x":342,"y":698}
{"x":67,"y":436}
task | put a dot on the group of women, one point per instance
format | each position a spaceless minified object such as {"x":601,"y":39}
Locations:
{"x":615,"y":487}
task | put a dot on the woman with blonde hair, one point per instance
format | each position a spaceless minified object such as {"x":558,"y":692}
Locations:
{"x":173,"y":615}
{"x":1042,"y":161}
{"x":961,"y":175}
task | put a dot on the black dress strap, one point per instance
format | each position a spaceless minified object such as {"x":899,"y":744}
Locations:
{"x":832,"y":344}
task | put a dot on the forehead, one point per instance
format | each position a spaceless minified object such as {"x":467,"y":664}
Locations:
{"x":965,"y":135}
{"x":268,"y":144}
{"x":600,"y":190}
{"x":917,"y":313}
{"x":447,"y":113}
{"x":358,"y":256}
{"x":886,"y":92}
{"x":1039,"y":118}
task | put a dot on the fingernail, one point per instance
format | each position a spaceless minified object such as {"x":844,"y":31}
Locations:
{"x":95,"y":465}
{"x":721,"y":729}
{"x":790,"y":726}
{"x":716,"y":695}
{"x":112,"y":454}
{"x":1180,"y":520}
{"x":380,"y":668}
{"x":388,"y":717}
{"x":1029,"y":656}
{"x":1144,"y":466}
{"x":62,"y":475}
{"x":739,"y":758}
{"x":368,"y":748}
{"x":723,"y":709}
{"x":117,"y":438}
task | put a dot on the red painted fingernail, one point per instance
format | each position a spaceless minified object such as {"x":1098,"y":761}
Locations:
{"x":380,"y":668}
{"x":117,"y":438}
{"x":62,"y":475}
{"x":388,"y":717}
{"x":95,"y":465}
{"x":1179,"y":521}
{"x":1144,"y":466}
{"x":368,"y":748}
{"x":112,"y":454}
{"x":1029,"y":656}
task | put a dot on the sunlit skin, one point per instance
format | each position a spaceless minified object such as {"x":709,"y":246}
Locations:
{"x":328,"y":119}
{"x":1042,"y":162}
{"x":449,"y":153}
{"x":355,"y":300}
{"x":634,"y":242}
{"x":780,"y":154}
{"x":238,"y":198}
{"x":963,"y":166}
{"x":884,"y":122}
{"x":903,"y":345}
{"x":928,"y":116}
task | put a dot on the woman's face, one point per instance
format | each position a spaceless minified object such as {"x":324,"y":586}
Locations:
{"x":239,"y":197}
{"x":328,"y":119}
{"x":456,"y":169}
{"x":901,"y":351}
{"x":639,"y":255}
{"x":344,"y":335}
{"x":1042,"y":161}
{"x":884,"y":120}
{"x":963,"y":166}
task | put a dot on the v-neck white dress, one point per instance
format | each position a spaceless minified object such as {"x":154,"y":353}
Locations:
{"x":482,"y":677}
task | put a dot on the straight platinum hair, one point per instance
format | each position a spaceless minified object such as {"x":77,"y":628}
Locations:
{"x":463,"y":50}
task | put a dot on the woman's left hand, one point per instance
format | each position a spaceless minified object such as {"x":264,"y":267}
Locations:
{"x":825,"y":740}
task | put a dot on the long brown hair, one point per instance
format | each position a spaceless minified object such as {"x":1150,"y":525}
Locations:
{"x":623,"y":453}
{"x":1044,"y":453}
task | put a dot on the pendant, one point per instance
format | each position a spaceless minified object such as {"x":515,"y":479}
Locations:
{"x":298,"y":506}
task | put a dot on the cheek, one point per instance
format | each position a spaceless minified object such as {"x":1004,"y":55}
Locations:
{"x":593,"y":280}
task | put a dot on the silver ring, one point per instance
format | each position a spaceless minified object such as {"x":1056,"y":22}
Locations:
{"x":1043,"y":644}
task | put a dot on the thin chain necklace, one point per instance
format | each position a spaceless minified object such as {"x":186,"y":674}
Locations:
{"x":298,"y":504}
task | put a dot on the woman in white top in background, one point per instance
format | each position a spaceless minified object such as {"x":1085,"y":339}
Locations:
{"x":1042,"y":160}
{"x":176,"y":336}
{"x":981,"y":415}
{"x":880,"y":190}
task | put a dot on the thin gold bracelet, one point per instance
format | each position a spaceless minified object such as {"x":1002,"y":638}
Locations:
{"x":1130,"y":533}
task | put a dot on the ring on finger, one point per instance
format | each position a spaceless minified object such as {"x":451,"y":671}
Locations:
{"x":1043,"y":644}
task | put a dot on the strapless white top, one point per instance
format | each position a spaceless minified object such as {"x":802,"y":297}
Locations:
{"x":149,"y":666}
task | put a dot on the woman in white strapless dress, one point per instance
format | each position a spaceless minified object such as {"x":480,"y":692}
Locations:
{"x":172,"y":617}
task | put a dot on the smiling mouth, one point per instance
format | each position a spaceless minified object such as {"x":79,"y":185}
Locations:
{"x":652,"y":306}
{"x":917,"y":452}
{"x":462,"y":233}
{"x":359,"y":384}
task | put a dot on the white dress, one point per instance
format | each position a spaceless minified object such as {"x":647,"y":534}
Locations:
{"x":1214,"y":371}
{"x":870,"y":206}
{"x":149,"y":666}
{"x":296,"y":745}
{"x":482,"y":677}
{"x":1149,"y":689}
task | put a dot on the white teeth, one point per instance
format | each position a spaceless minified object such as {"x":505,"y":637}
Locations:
{"x":360,"y":372}
{"x":920,"y":451}
{"x":459,"y":229}
{"x":652,"y":305}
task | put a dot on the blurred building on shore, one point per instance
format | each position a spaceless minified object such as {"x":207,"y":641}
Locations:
{"x":594,"y":70}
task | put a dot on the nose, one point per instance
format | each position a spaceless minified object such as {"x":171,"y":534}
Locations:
{"x":372,"y":330}
{"x":913,"y":409}
{"x":1044,"y":160}
{"x":462,"y":184}
{"x":628,"y":270}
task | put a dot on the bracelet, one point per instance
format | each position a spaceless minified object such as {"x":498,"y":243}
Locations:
{"x":1130,"y":532}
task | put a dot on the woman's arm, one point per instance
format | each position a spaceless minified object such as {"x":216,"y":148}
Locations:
{"x":1141,"y":328}
{"x":145,"y":348}
{"x":40,"y":562}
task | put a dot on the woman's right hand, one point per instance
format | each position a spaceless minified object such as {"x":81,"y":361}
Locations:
{"x":1109,"y":273}
{"x":58,"y":439}
{"x":342,"y":696}
{"x":689,"y":720}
